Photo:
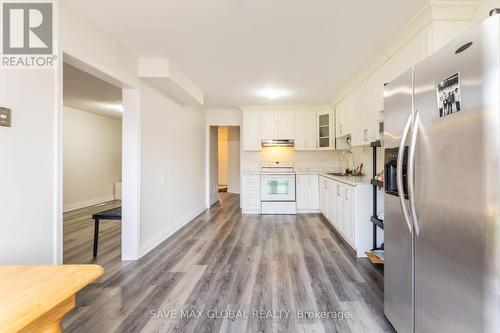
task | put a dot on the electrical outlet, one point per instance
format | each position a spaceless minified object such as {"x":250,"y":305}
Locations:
{"x":5,"y":117}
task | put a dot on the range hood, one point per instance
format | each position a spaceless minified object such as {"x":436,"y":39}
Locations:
{"x":278,"y":143}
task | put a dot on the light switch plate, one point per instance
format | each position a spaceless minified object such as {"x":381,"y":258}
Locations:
{"x":5,"y":117}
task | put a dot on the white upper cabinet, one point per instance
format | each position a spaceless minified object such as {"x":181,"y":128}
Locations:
{"x":269,"y":125}
{"x":359,"y":112}
{"x":310,"y":125}
{"x":312,"y":128}
{"x":286,"y":125}
{"x":277,"y":125}
{"x":339,"y":116}
{"x":326,"y":130}
{"x":300,"y":130}
{"x":305,"y":130}
{"x":252,"y":131}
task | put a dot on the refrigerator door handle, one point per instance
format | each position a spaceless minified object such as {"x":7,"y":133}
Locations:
{"x":411,"y":172}
{"x":399,"y":172}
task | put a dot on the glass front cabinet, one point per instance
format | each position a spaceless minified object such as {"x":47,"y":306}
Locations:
{"x":326,"y":130}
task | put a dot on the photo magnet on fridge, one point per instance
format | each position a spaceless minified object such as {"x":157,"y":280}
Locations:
{"x":449,"y":96}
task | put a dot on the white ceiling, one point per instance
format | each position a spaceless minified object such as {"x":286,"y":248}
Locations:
{"x":231,"y":48}
{"x":88,"y":93}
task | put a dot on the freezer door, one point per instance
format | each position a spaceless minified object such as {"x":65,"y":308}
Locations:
{"x":456,"y":185}
{"x":397,"y":236}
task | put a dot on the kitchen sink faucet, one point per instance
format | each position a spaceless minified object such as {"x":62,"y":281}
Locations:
{"x":352,"y":155}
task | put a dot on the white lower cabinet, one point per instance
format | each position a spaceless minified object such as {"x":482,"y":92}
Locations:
{"x":308,"y":194}
{"x":348,"y":208}
{"x":323,"y":196}
{"x":250,"y":194}
{"x":332,"y":203}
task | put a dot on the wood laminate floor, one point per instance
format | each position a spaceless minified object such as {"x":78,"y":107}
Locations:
{"x":225,"y":272}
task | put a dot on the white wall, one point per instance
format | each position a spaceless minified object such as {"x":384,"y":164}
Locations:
{"x":92,"y":156}
{"x":233,"y":157}
{"x":173,"y":150}
{"x":172,"y":139}
{"x":31,"y":151}
{"x":28,"y":167}
{"x":224,"y":117}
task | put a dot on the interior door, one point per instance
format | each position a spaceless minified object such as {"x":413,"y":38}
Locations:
{"x":398,"y":288}
{"x":456,"y":185}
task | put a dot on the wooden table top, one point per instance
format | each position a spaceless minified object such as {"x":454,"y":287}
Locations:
{"x":27,"y":293}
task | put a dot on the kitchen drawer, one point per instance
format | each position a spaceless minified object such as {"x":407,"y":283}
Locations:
{"x":250,"y":195}
{"x":251,"y":204}
{"x":250,"y":179}
{"x":251,"y":186}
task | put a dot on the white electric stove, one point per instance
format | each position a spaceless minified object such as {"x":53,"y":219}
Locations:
{"x":278,"y":188}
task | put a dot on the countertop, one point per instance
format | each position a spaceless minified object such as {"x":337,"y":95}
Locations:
{"x":250,"y":172}
{"x":350,"y":180}
{"x":314,"y":171}
{"x":298,"y":171}
{"x":35,"y":298}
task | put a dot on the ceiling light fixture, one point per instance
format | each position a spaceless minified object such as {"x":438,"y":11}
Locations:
{"x":272,"y":93}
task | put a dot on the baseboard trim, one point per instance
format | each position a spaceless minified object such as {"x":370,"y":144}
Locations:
{"x":308,"y":211}
{"x":251,"y":212}
{"x":88,"y":203}
{"x":169,"y":231}
{"x":213,"y":201}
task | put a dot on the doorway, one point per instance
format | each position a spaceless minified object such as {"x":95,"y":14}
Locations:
{"x":92,"y":167}
{"x":224,"y":161}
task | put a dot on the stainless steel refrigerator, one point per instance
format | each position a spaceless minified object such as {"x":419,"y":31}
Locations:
{"x":442,"y":189}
